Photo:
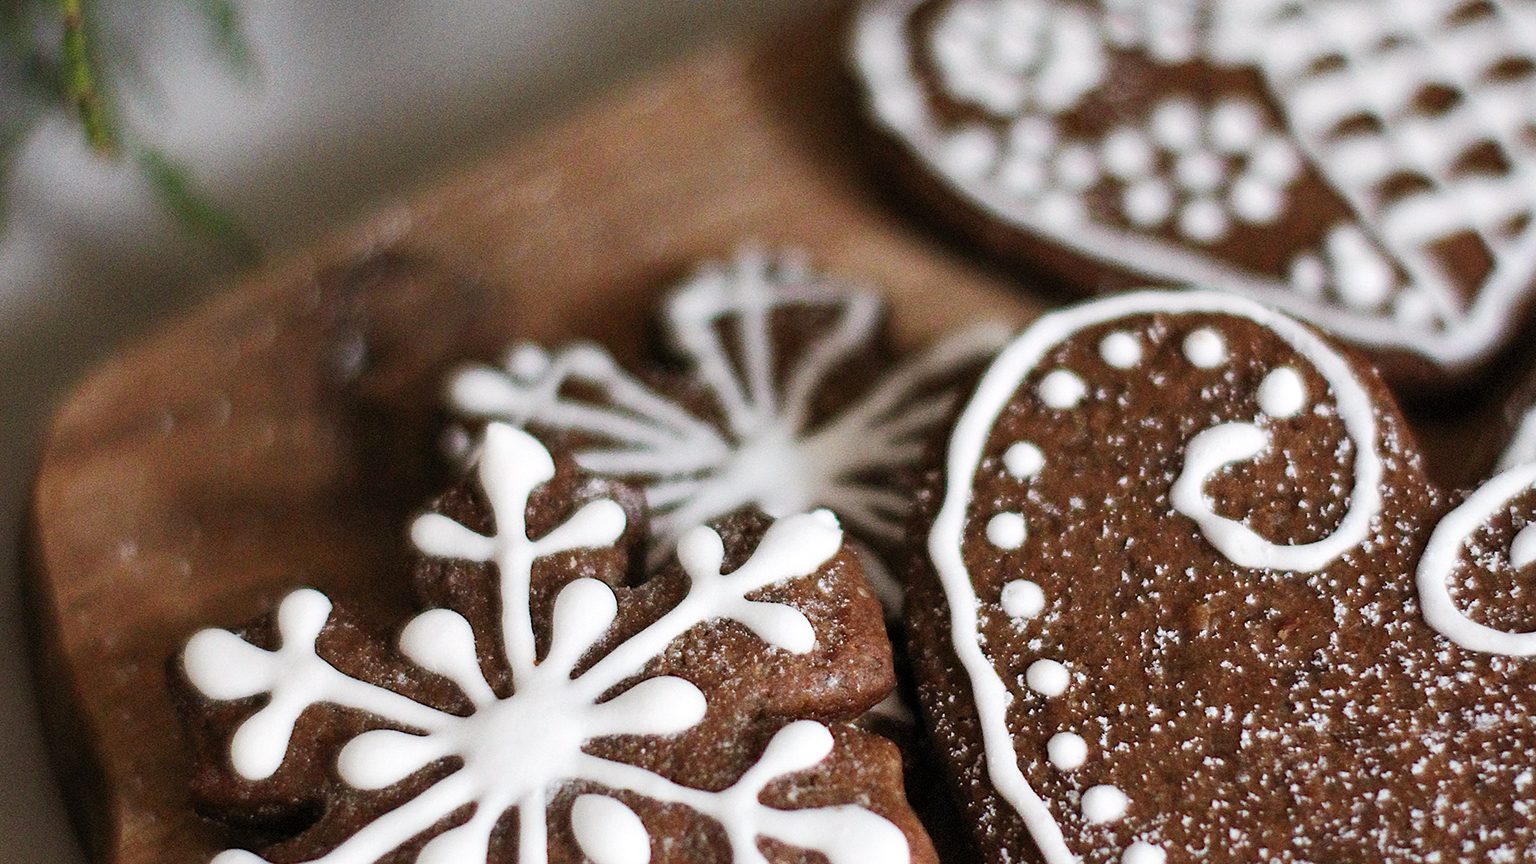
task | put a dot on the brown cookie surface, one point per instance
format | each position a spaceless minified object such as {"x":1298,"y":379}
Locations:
{"x":1188,"y":596}
{"x":1359,"y":163}
{"x":546,"y":706}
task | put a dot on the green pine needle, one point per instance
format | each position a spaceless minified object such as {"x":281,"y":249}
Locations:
{"x":223,"y":18}
{"x":80,"y":79}
{"x":173,"y":186}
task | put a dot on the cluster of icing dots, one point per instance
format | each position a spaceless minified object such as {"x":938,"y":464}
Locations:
{"x":1228,"y":164}
{"x":1282,"y":394}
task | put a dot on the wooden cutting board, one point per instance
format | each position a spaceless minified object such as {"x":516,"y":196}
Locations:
{"x":283,"y":433}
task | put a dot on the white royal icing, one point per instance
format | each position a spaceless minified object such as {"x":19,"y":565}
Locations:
{"x":1103,"y":804}
{"x":1120,"y":349}
{"x":1067,"y":751}
{"x":1194,"y":169}
{"x":1207,"y":452}
{"x":1022,"y":598}
{"x":1062,"y":389}
{"x":1007,"y":531}
{"x":767,"y":450}
{"x":1048,"y":678}
{"x":1282,"y":393}
{"x":1142,"y":852}
{"x":609,"y":832}
{"x":516,"y":751}
{"x":1443,"y":557}
{"x":1522,"y":447}
{"x":1205,"y":348}
{"x":1522,"y":552}
{"x":1023,"y":460}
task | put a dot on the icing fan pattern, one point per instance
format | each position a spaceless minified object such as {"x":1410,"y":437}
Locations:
{"x":518,"y":749}
{"x":758,"y":438}
{"x":1414,"y":121}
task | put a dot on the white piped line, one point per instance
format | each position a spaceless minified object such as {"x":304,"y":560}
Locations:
{"x":1444,"y":555}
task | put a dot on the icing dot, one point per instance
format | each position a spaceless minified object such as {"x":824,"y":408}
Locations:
{"x":1007,"y":531}
{"x":1522,"y":553}
{"x":1047,"y":677}
{"x":1023,"y":460}
{"x":1148,"y":203}
{"x":1062,"y":389}
{"x":1077,"y":168}
{"x":1033,"y":135}
{"x":1203,"y":220}
{"x":1275,"y":160}
{"x":1236,"y":125}
{"x":1282,"y":394}
{"x":1022,"y":176}
{"x":970,"y":152}
{"x":1176,"y":124}
{"x":1023,"y":599}
{"x":1309,"y":275}
{"x":1142,"y":852}
{"x":1127,"y":154}
{"x":1067,"y":751}
{"x":1200,"y":171}
{"x":527,"y":360}
{"x":1205,"y":348}
{"x":1104,"y":804}
{"x":1255,"y":201}
{"x":1120,"y":350}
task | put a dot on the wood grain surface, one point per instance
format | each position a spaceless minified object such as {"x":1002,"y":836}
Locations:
{"x":282,"y":434}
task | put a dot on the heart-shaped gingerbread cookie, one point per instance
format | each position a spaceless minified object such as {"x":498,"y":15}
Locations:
{"x":1189,"y":597}
{"x":1365,"y":164}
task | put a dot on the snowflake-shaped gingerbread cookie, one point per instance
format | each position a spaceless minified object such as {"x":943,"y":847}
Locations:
{"x":1189,"y":596}
{"x":786,"y":400}
{"x":1365,"y":164}
{"x":545,"y":709}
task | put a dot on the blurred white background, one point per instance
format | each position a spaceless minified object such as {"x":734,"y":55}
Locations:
{"x":343,"y":104}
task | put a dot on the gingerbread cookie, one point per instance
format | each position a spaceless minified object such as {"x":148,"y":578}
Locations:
{"x":1189,"y":597}
{"x":780,"y":396}
{"x":544,"y":708}
{"x":1363,"y":164}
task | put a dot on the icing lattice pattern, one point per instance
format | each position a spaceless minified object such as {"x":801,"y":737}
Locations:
{"x":1414,"y":122}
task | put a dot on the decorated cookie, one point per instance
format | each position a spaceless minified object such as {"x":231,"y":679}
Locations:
{"x":779,"y":395}
{"x":543,"y":707}
{"x":1364,"y":164}
{"x":1189,"y":597}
